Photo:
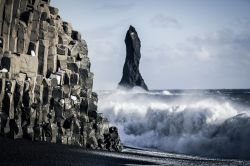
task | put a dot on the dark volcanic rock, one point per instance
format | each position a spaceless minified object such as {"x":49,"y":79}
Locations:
{"x":45,"y":79}
{"x":131,"y":74}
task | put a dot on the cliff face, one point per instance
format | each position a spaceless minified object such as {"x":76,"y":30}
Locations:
{"x":131,"y":74}
{"x":45,"y":79}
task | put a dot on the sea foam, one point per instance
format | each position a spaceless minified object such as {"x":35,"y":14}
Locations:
{"x":199,"y":126}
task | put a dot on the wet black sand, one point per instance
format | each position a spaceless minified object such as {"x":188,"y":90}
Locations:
{"x":21,"y":152}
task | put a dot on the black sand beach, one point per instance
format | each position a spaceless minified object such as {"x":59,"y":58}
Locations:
{"x":22,"y":152}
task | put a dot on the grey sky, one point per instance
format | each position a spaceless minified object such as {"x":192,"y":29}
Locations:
{"x":185,"y":44}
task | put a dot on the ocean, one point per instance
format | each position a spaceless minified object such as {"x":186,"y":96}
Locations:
{"x":208,"y":123}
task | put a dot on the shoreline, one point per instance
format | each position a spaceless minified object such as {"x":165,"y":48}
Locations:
{"x":22,"y":152}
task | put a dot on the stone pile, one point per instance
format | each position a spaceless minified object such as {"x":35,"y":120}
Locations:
{"x":45,"y":80}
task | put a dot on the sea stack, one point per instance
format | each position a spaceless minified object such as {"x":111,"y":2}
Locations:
{"x":45,"y":80}
{"x":131,"y":74}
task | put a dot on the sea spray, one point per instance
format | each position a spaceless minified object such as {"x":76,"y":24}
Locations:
{"x":193,"y":123}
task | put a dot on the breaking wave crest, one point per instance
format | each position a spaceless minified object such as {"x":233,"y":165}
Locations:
{"x":198,"y":126}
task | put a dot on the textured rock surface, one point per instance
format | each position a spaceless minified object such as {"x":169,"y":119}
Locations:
{"x":45,"y":80}
{"x":131,"y":74}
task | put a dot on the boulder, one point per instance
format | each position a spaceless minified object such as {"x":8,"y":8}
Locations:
{"x":53,"y":10}
{"x":76,"y":35}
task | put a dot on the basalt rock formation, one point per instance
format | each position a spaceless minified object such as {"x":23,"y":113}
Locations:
{"x":131,"y":74}
{"x":45,"y":80}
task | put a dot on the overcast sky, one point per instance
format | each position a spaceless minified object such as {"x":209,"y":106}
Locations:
{"x":194,"y":44}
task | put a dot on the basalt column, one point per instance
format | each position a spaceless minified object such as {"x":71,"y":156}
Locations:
{"x":45,"y":80}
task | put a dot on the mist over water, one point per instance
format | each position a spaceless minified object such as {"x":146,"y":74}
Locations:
{"x":208,"y":123}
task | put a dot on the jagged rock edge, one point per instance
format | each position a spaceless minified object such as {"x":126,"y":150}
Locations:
{"x":45,"y":80}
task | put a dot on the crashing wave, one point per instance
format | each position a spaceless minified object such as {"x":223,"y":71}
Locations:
{"x":165,"y":92}
{"x":204,"y":126}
